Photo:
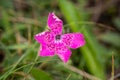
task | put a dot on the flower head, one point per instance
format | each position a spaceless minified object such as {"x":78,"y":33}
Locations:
{"x":54,"y":42}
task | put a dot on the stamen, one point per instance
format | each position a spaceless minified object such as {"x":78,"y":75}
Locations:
{"x":58,"y":37}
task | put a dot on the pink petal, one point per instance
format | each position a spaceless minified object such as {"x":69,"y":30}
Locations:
{"x":54,"y":23}
{"x":64,"y":55}
{"x":45,"y":37}
{"x":45,"y":51}
{"x":74,"y":40}
{"x":62,"y":51}
{"x":40,"y":37}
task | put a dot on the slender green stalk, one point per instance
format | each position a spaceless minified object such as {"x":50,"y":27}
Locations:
{"x":4,"y":77}
{"x":68,"y":77}
{"x":112,"y":67}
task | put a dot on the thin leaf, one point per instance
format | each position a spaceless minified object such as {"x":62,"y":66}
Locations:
{"x":111,"y":38}
{"x":39,"y":74}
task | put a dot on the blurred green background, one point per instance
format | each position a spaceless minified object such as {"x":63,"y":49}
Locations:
{"x":98,"y":20}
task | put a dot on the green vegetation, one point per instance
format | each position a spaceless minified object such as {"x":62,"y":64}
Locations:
{"x":20,"y":20}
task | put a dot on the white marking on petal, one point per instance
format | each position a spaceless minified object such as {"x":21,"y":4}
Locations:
{"x":56,"y":18}
{"x":58,"y":41}
{"x":37,"y":35}
{"x":40,"y":34}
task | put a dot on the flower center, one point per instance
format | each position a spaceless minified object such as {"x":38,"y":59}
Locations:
{"x":58,"y":37}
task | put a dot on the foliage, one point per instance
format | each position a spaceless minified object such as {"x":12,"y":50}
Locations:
{"x":20,"y":20}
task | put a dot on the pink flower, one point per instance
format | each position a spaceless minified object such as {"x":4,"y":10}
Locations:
{"x":54,"y":42}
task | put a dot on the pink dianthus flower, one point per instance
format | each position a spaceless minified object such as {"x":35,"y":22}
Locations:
{"x":54,"y":42}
